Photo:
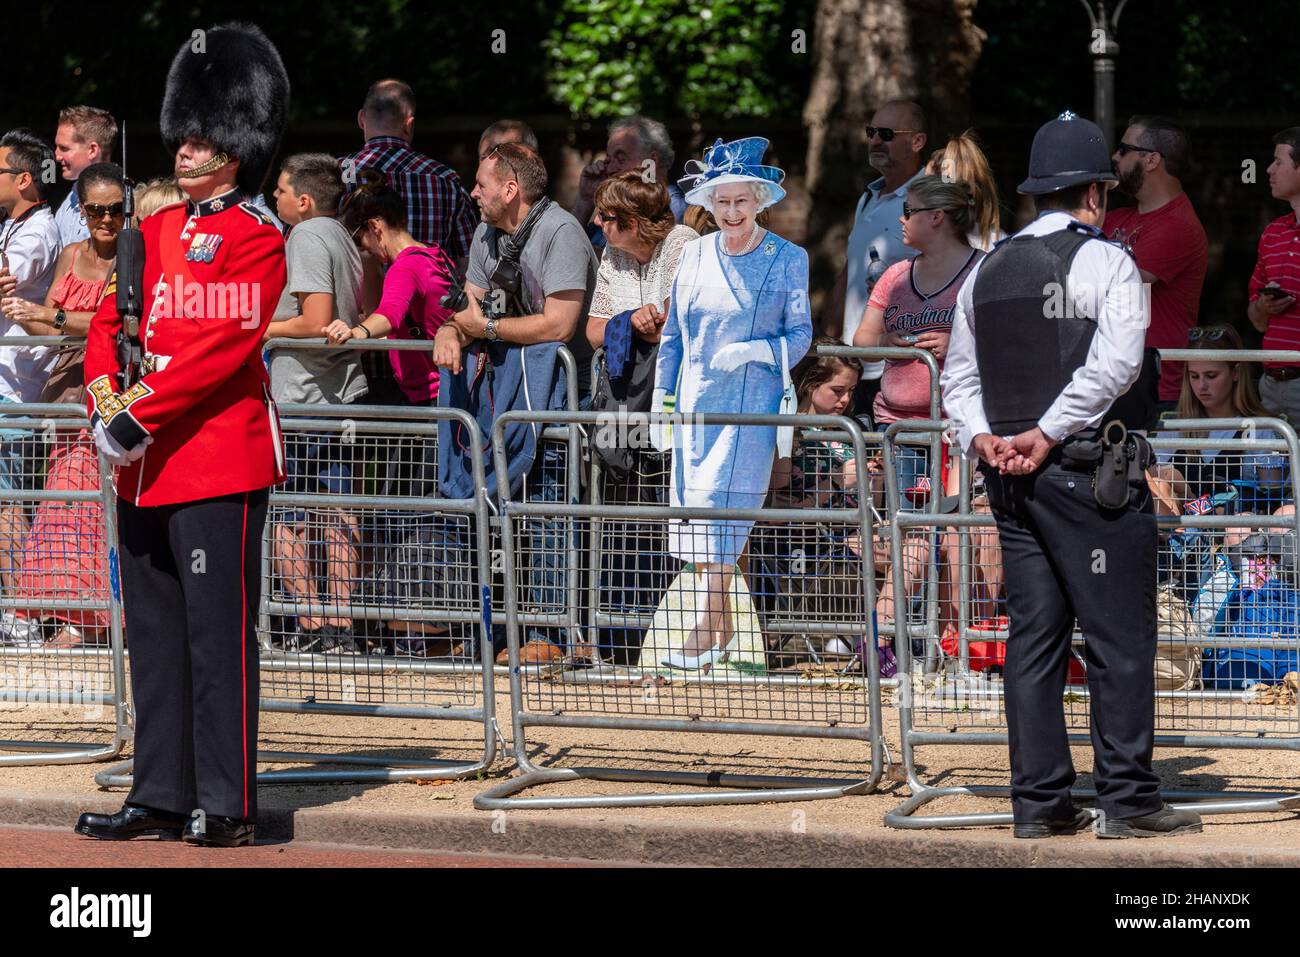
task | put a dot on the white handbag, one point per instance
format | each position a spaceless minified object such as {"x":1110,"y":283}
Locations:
{"x":789,"y":406}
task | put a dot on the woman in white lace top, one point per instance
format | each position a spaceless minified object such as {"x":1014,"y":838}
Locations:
{"x":645,"y":243}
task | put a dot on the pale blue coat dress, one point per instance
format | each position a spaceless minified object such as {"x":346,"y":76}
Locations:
{"x":718,"y":299}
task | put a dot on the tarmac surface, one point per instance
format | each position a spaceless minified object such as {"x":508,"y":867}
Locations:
{"x":435,"y":821}
{"x":59,"y":847}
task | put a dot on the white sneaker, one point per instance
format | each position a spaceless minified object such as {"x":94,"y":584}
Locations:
{"x":20,"y":632}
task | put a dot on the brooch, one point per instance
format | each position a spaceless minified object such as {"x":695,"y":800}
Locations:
{"x":770,"y":248}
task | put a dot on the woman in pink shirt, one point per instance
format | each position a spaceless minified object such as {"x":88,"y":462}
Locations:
{"x":417,"y":278}
{"x":912,"y":303}
{"x":410,"y":307}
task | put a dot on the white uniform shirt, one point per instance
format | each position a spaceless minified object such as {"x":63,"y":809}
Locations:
{"x":1104,"y":284}
{"x":875,"y":226}
{"x":68,"y":219}
{"x":32,"y":247}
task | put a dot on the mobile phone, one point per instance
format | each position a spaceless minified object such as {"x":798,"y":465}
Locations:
{"x":1273,"y":292}
{"x":909,"y":338}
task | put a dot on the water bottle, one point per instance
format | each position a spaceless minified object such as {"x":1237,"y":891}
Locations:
{"x":875,"y":269}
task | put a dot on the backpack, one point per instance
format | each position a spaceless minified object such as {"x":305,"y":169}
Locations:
{"x":614,"y":397}
{"x":1268,"y":615}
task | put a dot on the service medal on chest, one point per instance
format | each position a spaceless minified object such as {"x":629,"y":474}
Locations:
{"x":203,"y":248}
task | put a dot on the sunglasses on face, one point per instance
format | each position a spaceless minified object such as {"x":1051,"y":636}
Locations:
{"x":1208,"y":333}
{"x":885,"y":133}
{"x":909,"y":210}
{"x":1125,"y":148}
{"x":603,"y":218}
{"x":94,"y":211}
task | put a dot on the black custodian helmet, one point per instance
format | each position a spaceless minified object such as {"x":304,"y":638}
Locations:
{"x":1067,"y":151}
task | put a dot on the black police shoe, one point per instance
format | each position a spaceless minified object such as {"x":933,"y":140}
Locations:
{"x":1071,"y":825}
{"x":133,"y":820}
{"x":218,"y":831}
{"x":1159,"y":823}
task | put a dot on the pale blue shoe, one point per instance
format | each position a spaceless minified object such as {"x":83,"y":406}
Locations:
{"x":682,"y":662}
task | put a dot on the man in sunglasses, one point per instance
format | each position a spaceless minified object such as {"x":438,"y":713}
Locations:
{"x":1033,"y":390}
{"x":895,"y":139}
{"x":1164,"y":233}
{"x":29,"y":253}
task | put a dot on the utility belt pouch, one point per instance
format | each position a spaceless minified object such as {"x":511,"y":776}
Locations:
{"x":1121,"y":473}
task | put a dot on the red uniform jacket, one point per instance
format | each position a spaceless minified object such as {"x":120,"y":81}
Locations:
{"x":213,"y":274}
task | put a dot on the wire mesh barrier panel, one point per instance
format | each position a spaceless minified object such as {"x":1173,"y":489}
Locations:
{"x":1227,"y":608}
{"x":373,"y":582}
{"x":61,"y":653}
{"x":733,"y":617}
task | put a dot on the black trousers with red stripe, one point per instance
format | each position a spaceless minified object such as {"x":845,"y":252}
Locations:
{"x":191,"y":581}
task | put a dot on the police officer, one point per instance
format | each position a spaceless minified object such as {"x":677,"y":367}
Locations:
{"x":197,"y":444}
{"x":1047,"y":334}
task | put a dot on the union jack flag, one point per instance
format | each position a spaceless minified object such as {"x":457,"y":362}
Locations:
{"x":1199,"y":507}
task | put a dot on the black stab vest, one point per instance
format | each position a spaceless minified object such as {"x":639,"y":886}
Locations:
{"x":1030,"y":339}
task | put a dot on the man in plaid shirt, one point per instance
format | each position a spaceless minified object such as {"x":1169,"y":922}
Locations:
{"x":438,"y":209}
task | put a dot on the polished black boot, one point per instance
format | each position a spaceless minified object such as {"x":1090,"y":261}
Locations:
{"x":216,"y":831}
{"x":132,"y":820}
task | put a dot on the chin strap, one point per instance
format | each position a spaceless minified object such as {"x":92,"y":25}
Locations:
{"x":203,"y":169}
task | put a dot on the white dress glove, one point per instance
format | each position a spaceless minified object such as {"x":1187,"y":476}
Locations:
{"x":113,"y":451}
{"x":731,"y":357}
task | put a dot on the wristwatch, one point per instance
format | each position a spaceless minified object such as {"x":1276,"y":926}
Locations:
{"x":490,"y":330}
{"x":60,"y":319}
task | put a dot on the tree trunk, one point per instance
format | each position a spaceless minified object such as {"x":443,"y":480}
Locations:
{"x":867,"y":52}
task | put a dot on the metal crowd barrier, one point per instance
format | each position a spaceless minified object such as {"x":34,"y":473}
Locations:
{"x":924,"y":467}
{"x":642,"y":599}
{"x":378,"y":547}
{"x":61,"y":647}
{"x":358,"y":535}
{"x":345,"y":539}
{"x":949,"y":696}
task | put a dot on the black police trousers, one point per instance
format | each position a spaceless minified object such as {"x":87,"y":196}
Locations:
{"x":191,"y":582}
{"x":1066,"y":557}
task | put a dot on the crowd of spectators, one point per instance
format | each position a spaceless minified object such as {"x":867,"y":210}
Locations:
{"x":387,"y":243}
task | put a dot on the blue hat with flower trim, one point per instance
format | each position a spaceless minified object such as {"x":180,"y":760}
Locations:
{"x":740,"y":161}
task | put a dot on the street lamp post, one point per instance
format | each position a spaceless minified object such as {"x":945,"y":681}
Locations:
{"x":1104,"y":49}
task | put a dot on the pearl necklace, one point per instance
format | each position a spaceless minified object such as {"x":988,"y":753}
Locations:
{"x":750,"y":242}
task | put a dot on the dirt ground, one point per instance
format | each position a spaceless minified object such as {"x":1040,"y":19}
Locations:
{"x":1274,"y":771}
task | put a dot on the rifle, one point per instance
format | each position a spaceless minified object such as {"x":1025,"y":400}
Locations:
{"x":130,"y":285}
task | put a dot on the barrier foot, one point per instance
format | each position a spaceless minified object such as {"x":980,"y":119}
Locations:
{"x":367,"y":769}
{"x":904,"y":816}
{"x":60,"y":753}
{"x":760,"y":789}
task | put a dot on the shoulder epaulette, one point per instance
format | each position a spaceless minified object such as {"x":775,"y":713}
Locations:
{"x":1093,"y":232}
{"x":256,"y":213}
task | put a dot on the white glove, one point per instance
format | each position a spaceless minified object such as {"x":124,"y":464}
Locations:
{"x":113,"y":450}
{"x":660,"y":431}
{"x":731,"y":357}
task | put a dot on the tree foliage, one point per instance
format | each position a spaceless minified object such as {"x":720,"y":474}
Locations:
{"x":693,"y":58}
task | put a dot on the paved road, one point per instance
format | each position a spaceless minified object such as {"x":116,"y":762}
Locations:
{"x":59,"y":847}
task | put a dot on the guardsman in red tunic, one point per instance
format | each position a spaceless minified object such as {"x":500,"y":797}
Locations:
{"x":197,"y":443}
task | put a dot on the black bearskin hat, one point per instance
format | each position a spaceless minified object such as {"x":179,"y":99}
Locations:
{"x":229,"y":87}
